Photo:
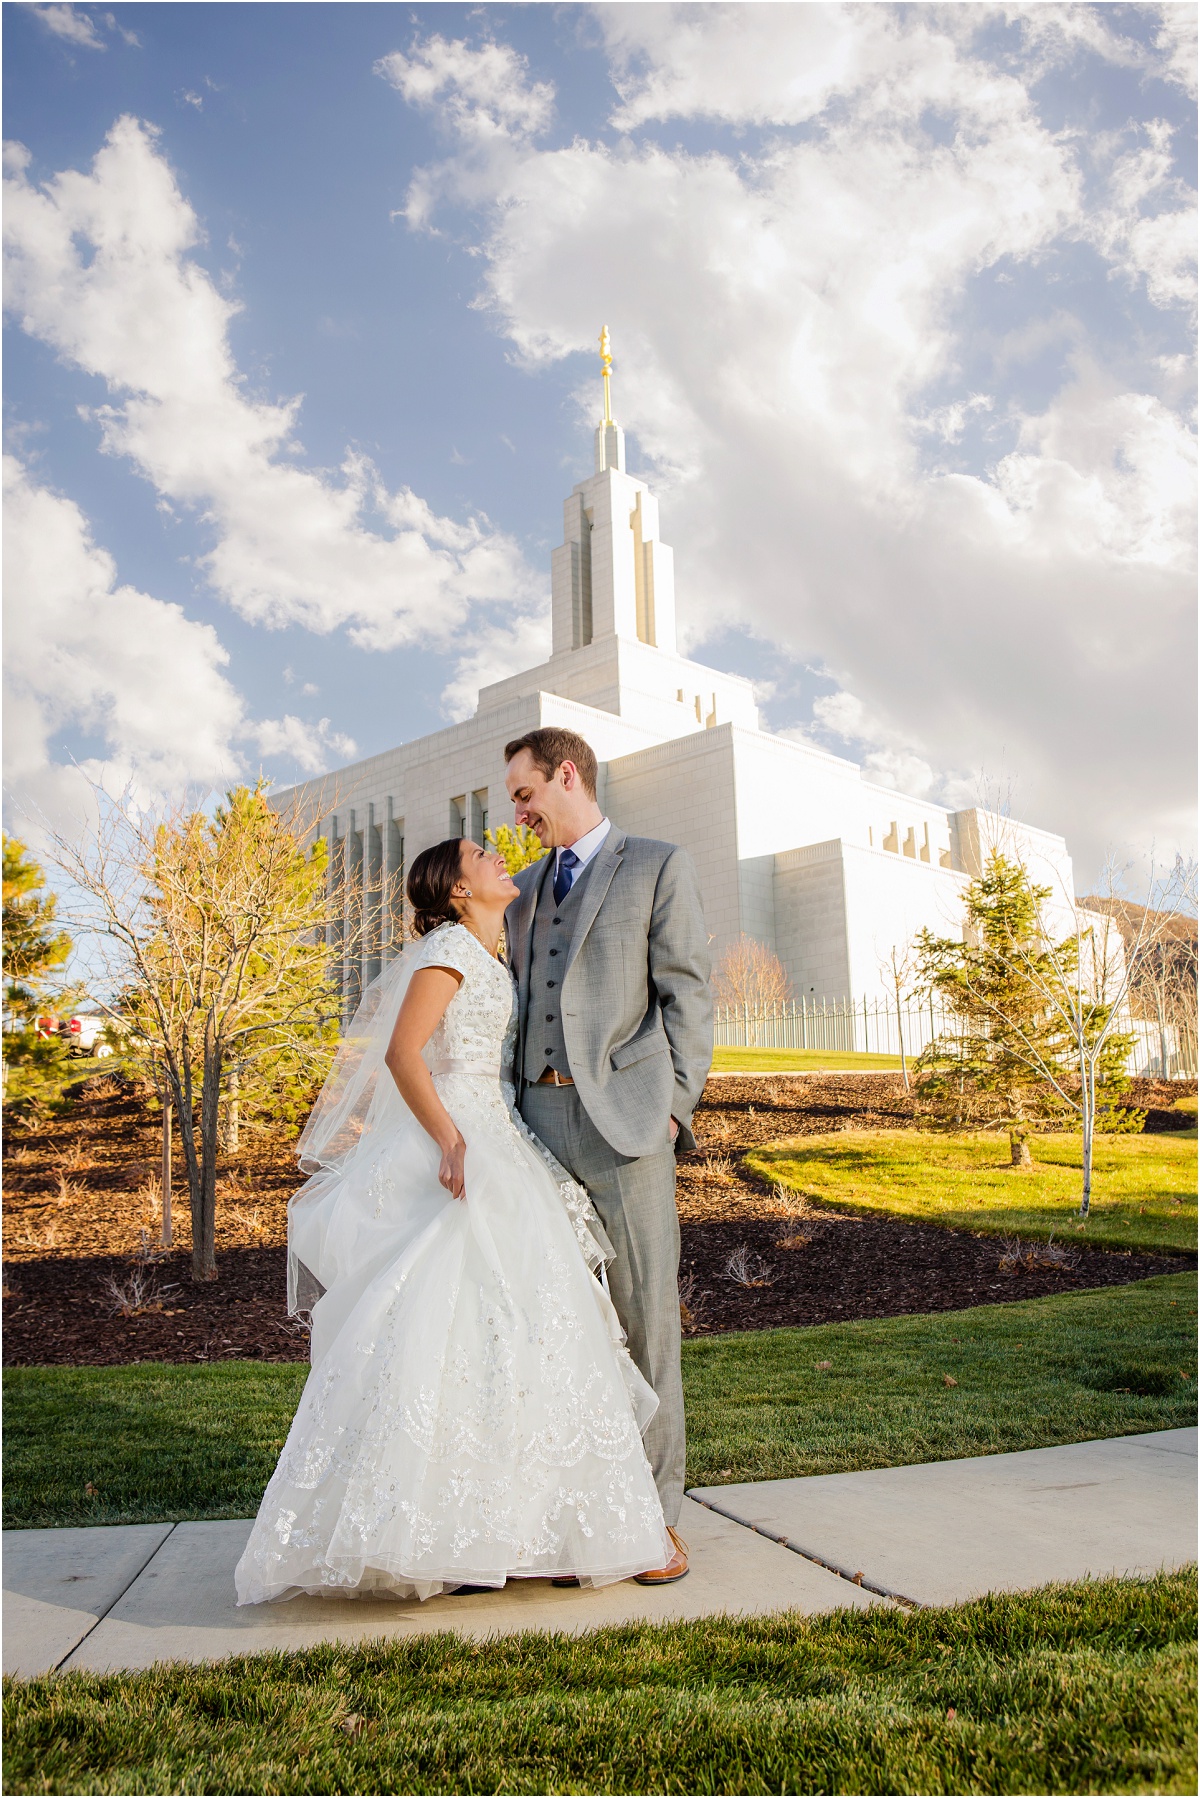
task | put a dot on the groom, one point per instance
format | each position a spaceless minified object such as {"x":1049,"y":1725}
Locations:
{"x":608,"y":944}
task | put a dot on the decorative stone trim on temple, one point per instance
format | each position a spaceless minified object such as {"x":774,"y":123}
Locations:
{"x":792,"y":845}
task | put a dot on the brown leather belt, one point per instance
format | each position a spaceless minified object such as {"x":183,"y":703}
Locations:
{"x":553,"y":1078}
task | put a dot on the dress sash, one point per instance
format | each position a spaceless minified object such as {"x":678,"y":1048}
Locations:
{"x":457,"y":1064}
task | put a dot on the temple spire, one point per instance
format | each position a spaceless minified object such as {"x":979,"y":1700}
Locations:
{"x":610,"y":438}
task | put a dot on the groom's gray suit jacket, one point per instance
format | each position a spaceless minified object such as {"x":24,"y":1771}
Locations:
{"x":636,"y":1007}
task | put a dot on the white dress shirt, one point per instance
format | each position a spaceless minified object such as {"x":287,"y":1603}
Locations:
{"x":584,"y":847}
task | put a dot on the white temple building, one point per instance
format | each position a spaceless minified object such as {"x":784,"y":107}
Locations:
{"x":793,"y":846}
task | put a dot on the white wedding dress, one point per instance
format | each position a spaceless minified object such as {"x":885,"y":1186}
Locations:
{"x":472,"y":1414}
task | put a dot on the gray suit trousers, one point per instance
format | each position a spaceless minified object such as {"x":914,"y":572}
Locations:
{"x":635,"y":1197}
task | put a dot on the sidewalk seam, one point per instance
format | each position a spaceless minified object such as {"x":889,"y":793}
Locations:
{"x":852,"y":1579}
{"x":136,"y":1575}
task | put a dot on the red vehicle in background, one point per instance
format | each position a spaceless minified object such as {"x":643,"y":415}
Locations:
{"x":85,"y":1034}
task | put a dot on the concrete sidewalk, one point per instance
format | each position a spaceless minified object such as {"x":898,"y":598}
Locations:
{"x":944,"y":1531}
{"x":130,"y":1595}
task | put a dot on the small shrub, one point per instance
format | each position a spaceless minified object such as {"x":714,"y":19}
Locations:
{"x":138,"y":1294}
{"x":38,"y":1238}
{"x":745,"y":1268}
{"x":70,"y":1192}
{"x":1017,"y":1256}
{"x":74,"y":1159}
{"x":719,"y":1169}
{"x":786,"y":1203}
{"x":717,"y":1129}
{"x":692,"y":1307}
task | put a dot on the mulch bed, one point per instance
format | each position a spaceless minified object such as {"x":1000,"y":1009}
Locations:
{"x":81,"y":1218}
{"x":849,"y":1268}
{"x":60,"y":1313}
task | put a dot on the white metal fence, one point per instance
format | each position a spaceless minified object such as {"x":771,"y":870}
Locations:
{"x":863,"y":1026}
{"x":875,"y":1027}
{"x":1168,"y":1051}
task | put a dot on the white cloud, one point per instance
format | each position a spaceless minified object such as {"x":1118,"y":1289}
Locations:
{"x":484,"y":93}
{"x":1176,"y":45}
{"x":881,"y":748}
{"x":1103,"y":475}
{"x":480,"y":97}
{"x":102,"y":266}
{"x":309,"y":746}
{"x":89,"y":655}
{"x":743,"y":62}
{"x":1157,"y":246}
{"x":72,"y":25}
{"x":129,"y":37}
{"x":779,"y":315}
{"x":505,"y":646}
{"x":949,"y":422}
{"x":1056,"y":32}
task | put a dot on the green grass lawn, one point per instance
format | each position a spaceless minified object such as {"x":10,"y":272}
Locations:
{"x":1086,"y":1688}
{"x":1143,"y":1194}
{"x":1109,"y":1362}
{"x":796,"y":1061}
{"x":159,"y":1441}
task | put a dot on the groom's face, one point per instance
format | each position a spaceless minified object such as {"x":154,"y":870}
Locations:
{"x":543,"y":806}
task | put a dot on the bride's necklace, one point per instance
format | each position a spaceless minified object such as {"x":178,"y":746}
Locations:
{"x":494,"y":953}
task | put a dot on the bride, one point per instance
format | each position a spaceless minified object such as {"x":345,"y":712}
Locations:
{"x":472,"y":1414}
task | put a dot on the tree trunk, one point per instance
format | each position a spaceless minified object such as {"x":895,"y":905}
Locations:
{"x":1018,"y":1135}
{"x":231,"y":1120}
{"x":204,"y":1195}
{"x":166,"y":1171}
{"x":179,"y":1074}
{"x":1163,"y":1068}
{"x":1088,"y":1112}
{"x":900,"y":1034}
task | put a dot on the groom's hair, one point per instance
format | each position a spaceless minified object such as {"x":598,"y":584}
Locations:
{"x":550,"y":748}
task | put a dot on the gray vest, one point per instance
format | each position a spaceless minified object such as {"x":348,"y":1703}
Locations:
{"x":550,"y":942}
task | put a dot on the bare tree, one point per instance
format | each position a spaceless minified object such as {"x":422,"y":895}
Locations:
{"x":214,"y":932}
{"x":1093,"y":998}
{"x":900,"y":969}
{"x":750,"y":978}
{"x":1162,"y":964}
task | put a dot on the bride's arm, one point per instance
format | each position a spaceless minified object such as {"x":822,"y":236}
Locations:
{"x":429,"y":992}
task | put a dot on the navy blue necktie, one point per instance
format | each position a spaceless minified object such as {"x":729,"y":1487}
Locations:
{"x":567,"y":861}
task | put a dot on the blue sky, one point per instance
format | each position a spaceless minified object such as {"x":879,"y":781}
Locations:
{"x":902,"y":304}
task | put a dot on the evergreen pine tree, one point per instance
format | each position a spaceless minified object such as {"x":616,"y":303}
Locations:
{"x":1012,"y":1057}
{"x":35,"y":1067}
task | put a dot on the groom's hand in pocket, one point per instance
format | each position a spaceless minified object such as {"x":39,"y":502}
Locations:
{"x":674,"y":1128}
{"x":452,"y":1172}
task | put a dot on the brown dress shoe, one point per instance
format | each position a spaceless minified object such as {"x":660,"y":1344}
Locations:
{"x":675,"y":1568}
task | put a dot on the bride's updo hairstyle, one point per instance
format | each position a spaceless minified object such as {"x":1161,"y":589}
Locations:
{"x":431,"y":880}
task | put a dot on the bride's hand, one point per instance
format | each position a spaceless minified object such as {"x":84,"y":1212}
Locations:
{"x":452,"y":1172}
